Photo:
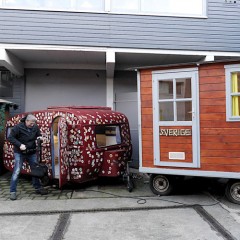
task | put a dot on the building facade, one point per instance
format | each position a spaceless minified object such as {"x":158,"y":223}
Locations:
{"x":86,"y":52}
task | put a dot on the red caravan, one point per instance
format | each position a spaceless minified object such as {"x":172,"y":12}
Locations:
{"x":80,"y":143}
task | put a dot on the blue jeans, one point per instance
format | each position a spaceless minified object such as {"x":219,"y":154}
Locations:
{"x":19,"y":158}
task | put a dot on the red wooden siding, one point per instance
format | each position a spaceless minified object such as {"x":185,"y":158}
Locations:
{"x":220,"y":140}
{"x":147,"y":118}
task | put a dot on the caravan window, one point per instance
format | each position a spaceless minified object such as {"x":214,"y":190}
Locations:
{"x":233,"y":92}
{"x":107,"y":135}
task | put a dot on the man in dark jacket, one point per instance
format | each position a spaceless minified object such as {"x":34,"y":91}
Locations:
{"x":23,"y":136}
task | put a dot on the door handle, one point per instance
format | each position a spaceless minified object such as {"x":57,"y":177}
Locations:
{"x":193,"y":113}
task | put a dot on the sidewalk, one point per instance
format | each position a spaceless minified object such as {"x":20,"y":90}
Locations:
{"x":106,"y":210}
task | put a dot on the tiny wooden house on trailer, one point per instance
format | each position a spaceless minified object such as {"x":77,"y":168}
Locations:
{"x":190,"y":124}
{"x":79,"y":143}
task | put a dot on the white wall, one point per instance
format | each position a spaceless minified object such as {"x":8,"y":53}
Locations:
{"x":125,"y":81}
{"x":125,"y":89}
{"x":64,"y":87}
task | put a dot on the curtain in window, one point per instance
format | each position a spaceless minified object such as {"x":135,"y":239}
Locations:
{"x":235,"y":100}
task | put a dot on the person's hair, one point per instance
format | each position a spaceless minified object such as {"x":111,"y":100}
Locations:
{"x":31,"y":117}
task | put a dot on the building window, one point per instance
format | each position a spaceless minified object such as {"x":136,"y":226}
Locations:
{"x":107,"y":135}
{"x":232,"y":73}
{"x":185,"y":8}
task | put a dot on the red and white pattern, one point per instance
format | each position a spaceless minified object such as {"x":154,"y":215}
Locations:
{"x":80,"y":159}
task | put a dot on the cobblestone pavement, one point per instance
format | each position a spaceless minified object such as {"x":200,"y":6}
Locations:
{"x":99,"y":188}
{"x":26,"y":190}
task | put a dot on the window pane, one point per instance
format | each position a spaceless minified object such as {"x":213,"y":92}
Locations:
{"x":125,"y":5}
{"x":236,"y":106}
{"x":55,"y":4}
{"x":93,"y":5}
{"x":155,"y":6}
{"x":107,"y":135}
{"x":166,"y":111}
{"x":173,"y":6}
{"x":183,"y":88}
{"x":235,"y":82}
{"x":184,"y":111}
{"x":23,"y":3}
{"x":235,"y":88}
{"x":166,"y":89}
{"x":39,"y":4}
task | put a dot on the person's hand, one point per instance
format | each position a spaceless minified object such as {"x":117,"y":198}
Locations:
{"x":40,"y":139}
{"x":22,"y":147}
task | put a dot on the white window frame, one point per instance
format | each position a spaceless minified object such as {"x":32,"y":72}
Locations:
{"x":107,"y":9}
{"x":229,"y":69}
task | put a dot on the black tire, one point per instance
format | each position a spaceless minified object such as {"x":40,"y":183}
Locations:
{"x":161,"y":184}
{"x":232,"y":191}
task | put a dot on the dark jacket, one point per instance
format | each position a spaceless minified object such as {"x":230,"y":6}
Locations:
{"x":20,"y":134}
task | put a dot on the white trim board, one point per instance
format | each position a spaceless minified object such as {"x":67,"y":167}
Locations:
{"x":196,"y":173}
{"x":119,"y":50}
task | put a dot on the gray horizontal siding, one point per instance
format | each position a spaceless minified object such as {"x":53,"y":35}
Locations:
{"x":219,"y":32}
{"x":18,"y":95}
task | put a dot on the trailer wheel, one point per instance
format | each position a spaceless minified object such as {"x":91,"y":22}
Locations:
{"x":232,"y":191}
{"x":161,"y":184}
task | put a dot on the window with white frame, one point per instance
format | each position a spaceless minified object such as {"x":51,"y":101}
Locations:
{"x":191,"y":8}
{"x":175,"y":99}
{"x":232,"y":73}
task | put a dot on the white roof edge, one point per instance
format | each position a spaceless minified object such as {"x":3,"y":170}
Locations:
{"x":118,"y":50}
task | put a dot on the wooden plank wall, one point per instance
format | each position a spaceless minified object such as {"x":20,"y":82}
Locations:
{"x":219,"y":140}
{"x":147,"y":118}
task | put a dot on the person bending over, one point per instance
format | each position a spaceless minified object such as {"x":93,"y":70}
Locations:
{"x":23,"y":136}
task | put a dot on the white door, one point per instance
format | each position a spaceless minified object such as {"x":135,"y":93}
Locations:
{"x":176,"y":118}
{"x":127,"y":104}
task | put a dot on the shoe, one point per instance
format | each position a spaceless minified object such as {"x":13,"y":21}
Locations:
{"x":41,"y":191}
{"x":13,"y":196}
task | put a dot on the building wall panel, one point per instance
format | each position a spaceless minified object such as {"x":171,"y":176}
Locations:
{"x":220,"y":31}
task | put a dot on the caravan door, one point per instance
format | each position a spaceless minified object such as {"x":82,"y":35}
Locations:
{"x":63,"y":153}
{"x":176,"y":118}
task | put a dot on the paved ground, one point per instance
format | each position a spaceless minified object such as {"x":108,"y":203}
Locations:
{"x":103,"y":188}
{"x":106,"y":210}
